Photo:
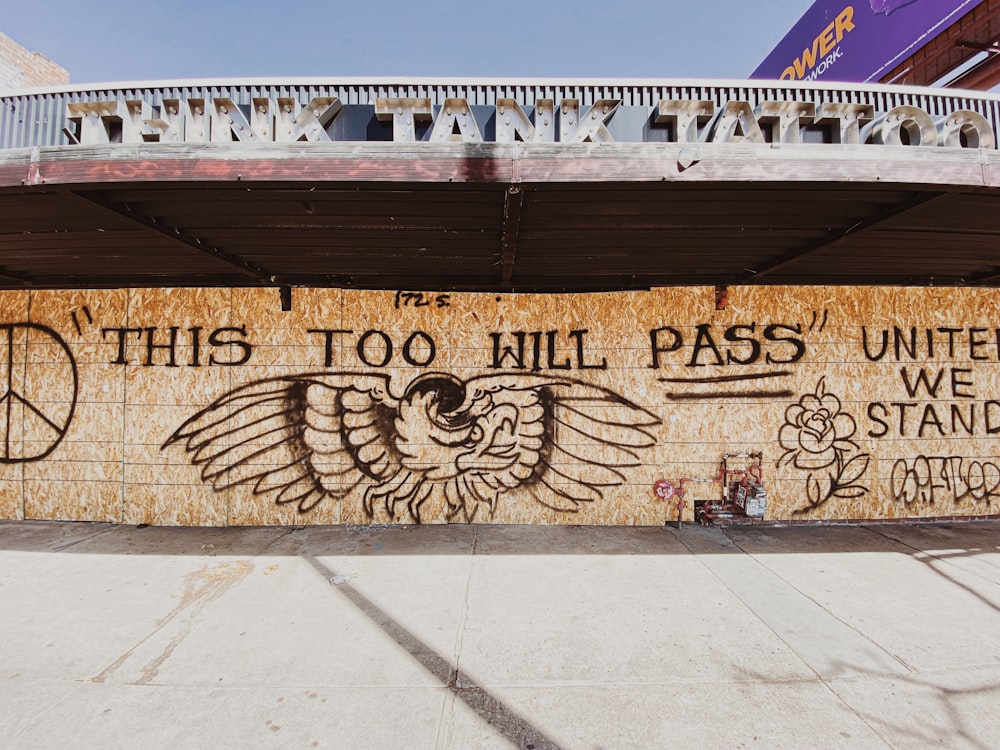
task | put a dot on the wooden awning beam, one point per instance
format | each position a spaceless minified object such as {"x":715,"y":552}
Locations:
{"x":124,"y":211}
{"x":513,"y":200}
{"x":917,"y":202}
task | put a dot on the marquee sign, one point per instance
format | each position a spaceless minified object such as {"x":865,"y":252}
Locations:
{"x":567,"y":120}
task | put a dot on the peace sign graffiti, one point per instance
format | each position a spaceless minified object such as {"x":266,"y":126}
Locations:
{"x":39,"y":391}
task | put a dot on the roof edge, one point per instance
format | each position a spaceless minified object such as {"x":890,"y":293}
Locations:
{"x":493,"y":82}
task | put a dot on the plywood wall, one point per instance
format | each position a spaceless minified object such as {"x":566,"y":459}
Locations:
{"x":216,"y":407}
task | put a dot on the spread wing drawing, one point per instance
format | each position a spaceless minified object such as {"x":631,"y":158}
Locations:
{"x":302,"y":438}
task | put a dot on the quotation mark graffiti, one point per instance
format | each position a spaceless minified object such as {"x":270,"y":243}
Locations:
{"x":76,"y":321}
{"x":822,"y":323}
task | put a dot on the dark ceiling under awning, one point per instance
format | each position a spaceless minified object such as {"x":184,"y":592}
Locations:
{"x":593,"y":217}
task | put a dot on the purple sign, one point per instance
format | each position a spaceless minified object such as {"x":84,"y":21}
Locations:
{"x":858,"y":40}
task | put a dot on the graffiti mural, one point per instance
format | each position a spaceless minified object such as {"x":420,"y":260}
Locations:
{"x":336,"y":406}
{"x":305,"y":438}
{"x":944,"y":479}
{"x":817,"y":439}
{"x":39,"y":396}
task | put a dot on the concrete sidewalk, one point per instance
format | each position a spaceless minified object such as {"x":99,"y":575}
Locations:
{"x":466,"y":637}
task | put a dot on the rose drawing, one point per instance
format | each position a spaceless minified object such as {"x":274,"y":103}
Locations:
{"x":816,"y":437}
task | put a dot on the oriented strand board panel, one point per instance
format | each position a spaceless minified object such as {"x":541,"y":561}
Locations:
{"x":13,"y":307}
{"x":217,"y":406}
{"x":73,"y":413}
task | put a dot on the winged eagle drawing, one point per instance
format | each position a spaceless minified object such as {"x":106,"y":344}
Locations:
{"x":302,"y":438}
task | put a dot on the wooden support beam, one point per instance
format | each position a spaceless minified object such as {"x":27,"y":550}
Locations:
{"x":919,"y":201}
{"x":20,"y":279}
{"x":989,"y":278}
{"x":513,"y":199}
{"x":122,"y":210}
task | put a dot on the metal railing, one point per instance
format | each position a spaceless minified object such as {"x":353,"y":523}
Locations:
{"x":39,"y":117}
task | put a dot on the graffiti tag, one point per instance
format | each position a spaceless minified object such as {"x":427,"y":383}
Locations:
{"x":928,"y":479}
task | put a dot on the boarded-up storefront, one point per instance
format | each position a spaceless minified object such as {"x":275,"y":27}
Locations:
{"x":367,"y":302}
{"x":214,"y":406}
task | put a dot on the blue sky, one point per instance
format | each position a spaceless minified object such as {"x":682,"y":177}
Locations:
{"x":128,"y":41}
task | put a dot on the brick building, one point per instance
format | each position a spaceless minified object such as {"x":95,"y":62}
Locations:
{"x":21,"y":68}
